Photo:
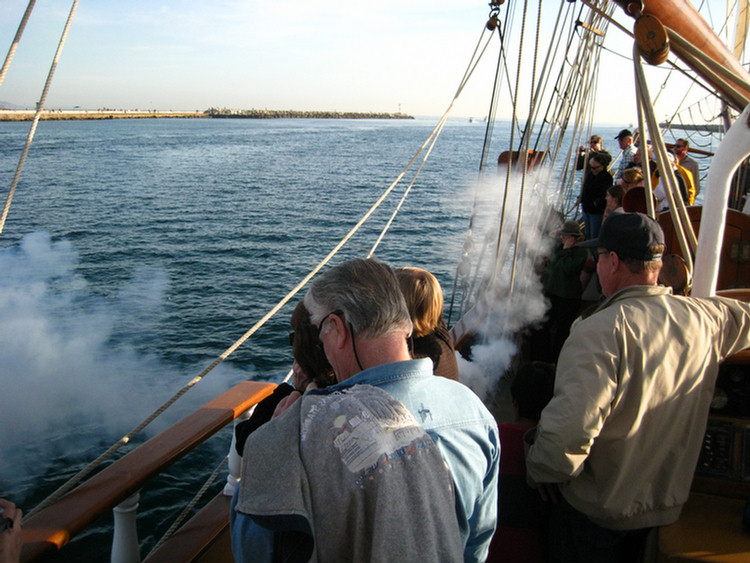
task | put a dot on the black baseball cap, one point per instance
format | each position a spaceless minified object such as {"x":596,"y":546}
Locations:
{"x":630,"y":235}
{"x":624,"y":133}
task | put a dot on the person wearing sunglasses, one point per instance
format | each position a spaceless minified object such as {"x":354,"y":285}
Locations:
{"x":593,"y":191}
{"x":310,"y":370}
{"x":596,"y":144}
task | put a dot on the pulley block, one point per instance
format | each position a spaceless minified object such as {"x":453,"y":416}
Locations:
{"x":652,"y":40}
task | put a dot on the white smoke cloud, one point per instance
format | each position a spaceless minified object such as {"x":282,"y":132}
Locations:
{"x":510,"y":297}
{"x":74,"y":373}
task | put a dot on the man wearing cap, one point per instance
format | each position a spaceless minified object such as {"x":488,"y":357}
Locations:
{"x":562,"y":287}
{"x":625,"y":140}
{"x":620,"y":439}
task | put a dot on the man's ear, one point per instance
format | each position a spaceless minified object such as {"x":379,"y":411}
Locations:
{"x":616,"y":263}
{"x":340,"y":327}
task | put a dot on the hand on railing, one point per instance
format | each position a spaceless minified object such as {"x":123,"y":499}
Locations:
{"x":10,"y":532}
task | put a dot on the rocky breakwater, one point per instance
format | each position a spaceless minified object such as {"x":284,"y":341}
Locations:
{"x":294,"y":114}
{"x":72,"y":115}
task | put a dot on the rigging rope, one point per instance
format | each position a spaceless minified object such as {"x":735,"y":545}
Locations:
{"x":37,"y":115}
{"x":583,"y":81}
{"x":525,"y":147}
{"x":683,"y":228}
{"x":463,"y":269}
{"x":68,"y":485}
{"x":579,"y":84}
{"x":433,"y":137}
{"x":498,"y":245}
{"x":196,"y":499}
{"x":16,"y":40}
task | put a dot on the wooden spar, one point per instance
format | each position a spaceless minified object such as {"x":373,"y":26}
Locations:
{"x":681,"y":17}
{"x":590,"y":28}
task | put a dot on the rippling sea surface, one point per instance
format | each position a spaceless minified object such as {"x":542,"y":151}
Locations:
{"x":137,"y":251}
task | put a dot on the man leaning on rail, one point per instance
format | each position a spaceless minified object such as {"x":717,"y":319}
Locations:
{"x":634,"y":381}
{"x":391,"y":464}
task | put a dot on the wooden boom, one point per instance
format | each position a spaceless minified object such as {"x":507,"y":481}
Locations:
{"x":681,"y":17}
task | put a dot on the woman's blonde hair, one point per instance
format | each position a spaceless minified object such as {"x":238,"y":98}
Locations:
{"x":632,"y":175}
{"x":424,"y":299}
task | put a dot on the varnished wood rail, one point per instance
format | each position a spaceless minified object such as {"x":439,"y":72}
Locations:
{"x":53,"y":527}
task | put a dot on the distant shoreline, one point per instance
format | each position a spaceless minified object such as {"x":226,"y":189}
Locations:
{"x":68,"y":115}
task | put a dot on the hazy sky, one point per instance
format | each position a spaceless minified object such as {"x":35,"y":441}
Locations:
{"x":336,"y":55}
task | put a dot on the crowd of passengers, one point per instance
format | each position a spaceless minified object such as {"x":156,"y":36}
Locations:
{"x":398,"y":460}
{"x":569,"y":277}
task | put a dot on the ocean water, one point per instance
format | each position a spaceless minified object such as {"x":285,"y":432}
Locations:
{"x":137,"y":251}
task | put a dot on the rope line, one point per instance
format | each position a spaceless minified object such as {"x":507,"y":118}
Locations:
{"x":683,"y":227}
{"x":37,"y":115}
{"x":196,"y":499}
{"x":433,"y":137}
{"x":498,"y":244}
{"x":463,"y":269}
{"x":525,"y":147}
{"x":16,"y":40}
{"x":139,"y":428}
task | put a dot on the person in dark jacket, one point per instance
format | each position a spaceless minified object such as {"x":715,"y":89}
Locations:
{"x":562,"y":287}
{"x":311,"y":370}
{"x":593,"y":190}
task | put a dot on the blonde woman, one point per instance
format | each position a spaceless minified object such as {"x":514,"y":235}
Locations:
{"x":430,"y":339}
{"x":631,"y":178}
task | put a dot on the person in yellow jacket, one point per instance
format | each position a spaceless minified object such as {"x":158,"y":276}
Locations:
{"x":689,"y":183}
{"x":684,"y":180}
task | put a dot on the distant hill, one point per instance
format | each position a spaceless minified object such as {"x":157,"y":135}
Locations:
{"x":8,"y":105}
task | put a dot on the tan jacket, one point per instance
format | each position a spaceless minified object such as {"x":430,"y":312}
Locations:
{"x":633,"y":387}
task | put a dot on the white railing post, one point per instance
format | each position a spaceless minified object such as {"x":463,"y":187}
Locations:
{"x":235,"y":461}
{"x":733,"y":149}
{"x":125,"y":547}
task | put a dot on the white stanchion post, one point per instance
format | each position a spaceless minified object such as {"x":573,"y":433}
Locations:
{"x":235,"y":461}
{"x":734,"y":148}
{"x":125,"y":548}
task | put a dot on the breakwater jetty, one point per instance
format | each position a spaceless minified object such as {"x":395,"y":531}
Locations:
{"x":96,"y":114}
{"x":81,"y":114}
{"x":293,"y":114}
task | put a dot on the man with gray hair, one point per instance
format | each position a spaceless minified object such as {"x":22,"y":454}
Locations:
{"x":392,"y":463}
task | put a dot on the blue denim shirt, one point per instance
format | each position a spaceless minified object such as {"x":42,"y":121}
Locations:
{"x":460,"y":425}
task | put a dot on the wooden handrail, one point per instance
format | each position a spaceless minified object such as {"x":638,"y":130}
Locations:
{"x":54,"y":526}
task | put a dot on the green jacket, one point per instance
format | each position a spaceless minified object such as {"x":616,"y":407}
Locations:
{"x":563,"y":275}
